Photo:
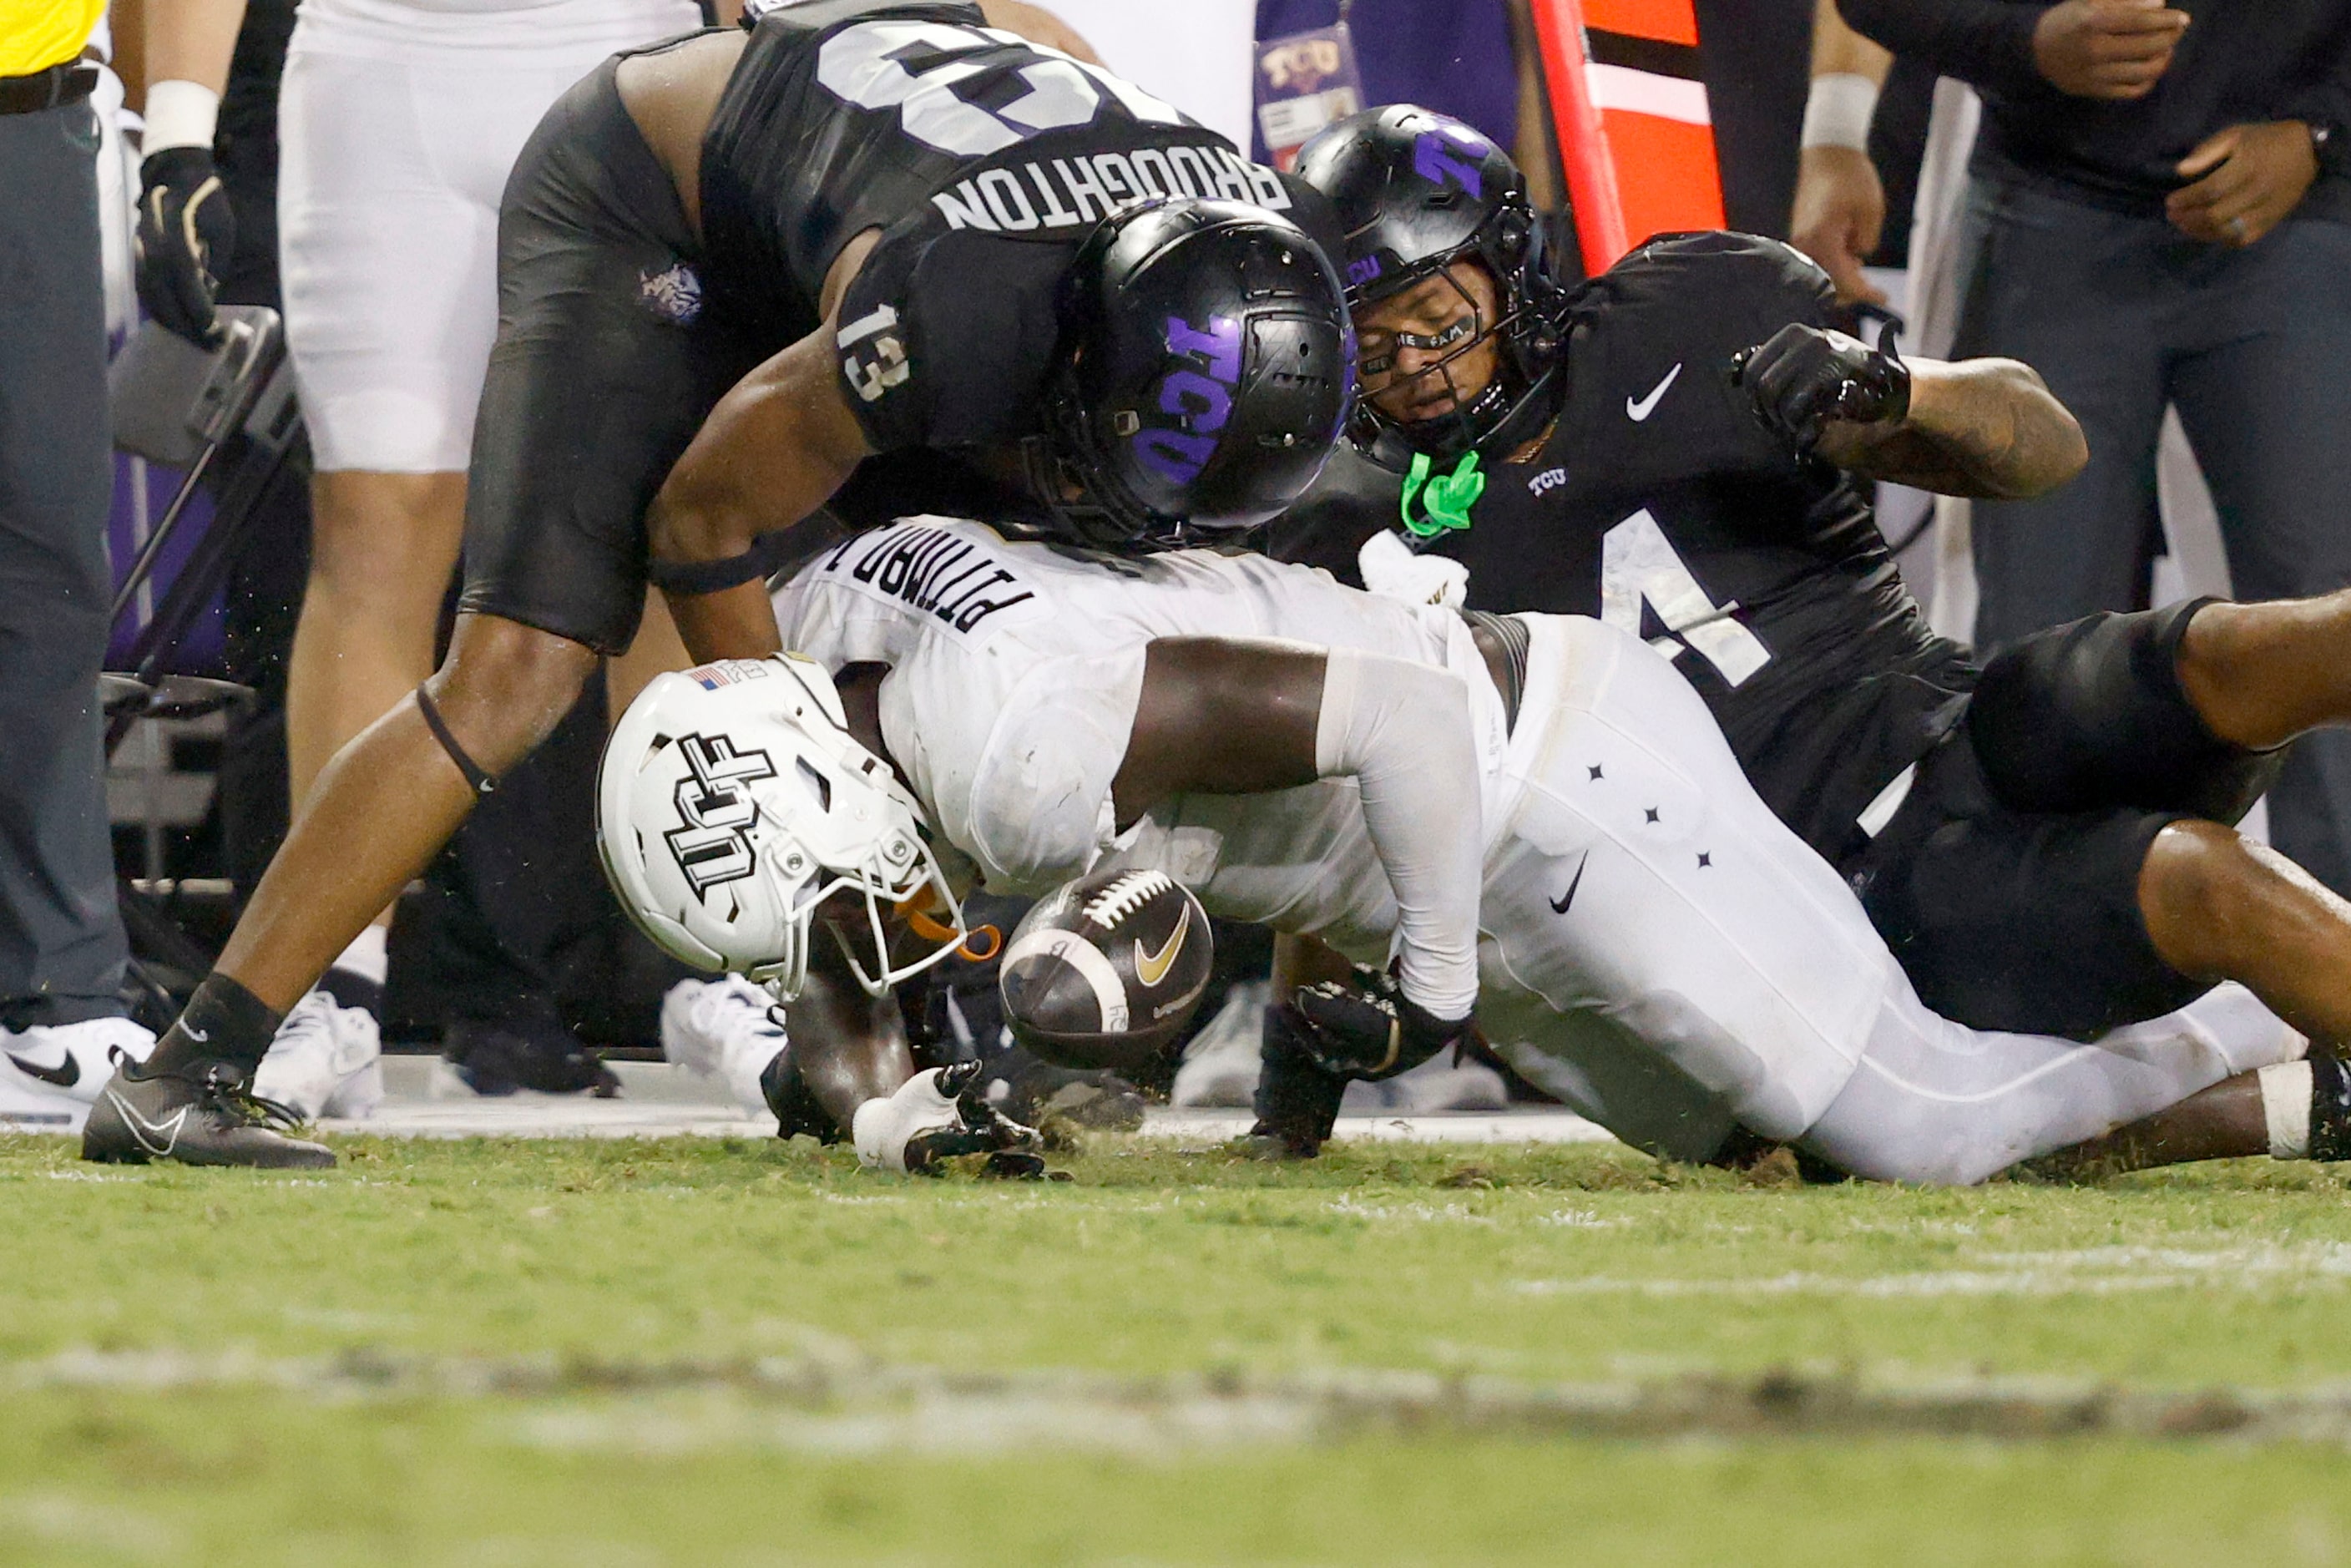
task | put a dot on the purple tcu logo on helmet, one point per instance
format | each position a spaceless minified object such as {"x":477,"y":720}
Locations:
{"x":1362,"y":270}
{"x":1436,"y":159}
{"x":1202,"y":401}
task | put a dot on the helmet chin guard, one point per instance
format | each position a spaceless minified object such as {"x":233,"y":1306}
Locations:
{"x":733,"y":805}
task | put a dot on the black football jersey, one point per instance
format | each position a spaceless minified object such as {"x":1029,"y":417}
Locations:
{"x":984,"y":160}
{"x":1660,"y":504}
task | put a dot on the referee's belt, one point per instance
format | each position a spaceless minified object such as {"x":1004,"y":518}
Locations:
{"x":67,"y":81}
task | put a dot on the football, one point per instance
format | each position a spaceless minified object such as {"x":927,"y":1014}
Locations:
{"x":1106,"y":972}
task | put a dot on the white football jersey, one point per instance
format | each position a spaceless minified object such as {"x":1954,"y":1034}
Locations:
{"x":1015,"y":668}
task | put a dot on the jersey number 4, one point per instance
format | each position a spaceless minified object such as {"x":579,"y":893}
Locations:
{"x":1639,"y":567}
{"x":917,"y":68}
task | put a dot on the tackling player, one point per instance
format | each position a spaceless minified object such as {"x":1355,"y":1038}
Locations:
{"x":1682,"y":447}
{"x":1534,"y":813}
{"x":733,"y":268}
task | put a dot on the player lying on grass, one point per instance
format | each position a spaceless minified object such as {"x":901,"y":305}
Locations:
{"x":734,"y":268}
{"x":1683,"y":448}
{"x":1534,"y":814}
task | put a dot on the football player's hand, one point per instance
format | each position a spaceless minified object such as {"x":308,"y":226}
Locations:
{"x":938,"y":1116}
{"x":2246,"y":178}
{"x":1392,"y":571}
{"x":1839,"y":215}
{"x":2107,"y":48}
{"x":184,"y":241}
{"x":1327,"y":1036}
{"x":1803,"y":378}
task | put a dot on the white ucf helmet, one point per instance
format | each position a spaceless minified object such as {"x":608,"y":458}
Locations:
{"x":733,"y":801}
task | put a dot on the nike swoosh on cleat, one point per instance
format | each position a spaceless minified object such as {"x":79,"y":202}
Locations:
{"x":65,"y":1074}
{"x":145,"y":1131}
{"x":1152,"y":967}
{"x":1559,"y":906}
{"x":1639,"y":411}
{"x":199,"y":1036}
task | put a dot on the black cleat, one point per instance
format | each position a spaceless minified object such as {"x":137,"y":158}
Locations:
{"x":527,"y":1051}
{"x":205,"y":1114}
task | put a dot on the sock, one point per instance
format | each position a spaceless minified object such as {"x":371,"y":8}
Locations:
{"x":224,"y":1022}
{"x":356,"y":978}
{"x":2286,"y":1107}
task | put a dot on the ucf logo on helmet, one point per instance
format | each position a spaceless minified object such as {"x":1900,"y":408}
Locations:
{"x":713,"y":847}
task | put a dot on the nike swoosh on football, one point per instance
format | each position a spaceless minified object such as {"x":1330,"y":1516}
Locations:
{"x":67,"y":1073}
{"x":1152,"y":967}
{"x":1638,"y":410}
{"x":146,"y":1132}
{"x":1559,"y":906}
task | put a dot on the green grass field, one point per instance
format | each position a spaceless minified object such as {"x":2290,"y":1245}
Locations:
{"x":719,"y":1352}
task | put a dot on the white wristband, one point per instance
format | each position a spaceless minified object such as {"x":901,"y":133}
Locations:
{"x":1838,"y":109}
{"x":180,"y":114}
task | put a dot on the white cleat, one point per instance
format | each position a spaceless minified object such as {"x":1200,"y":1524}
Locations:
{"x":49,"y":1075}
{"x":326,"y":1061}
{"x":726,"y":1031}
{"x":1222,"y":1061}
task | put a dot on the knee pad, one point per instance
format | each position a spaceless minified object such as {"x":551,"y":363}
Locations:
{"x":2091,"y":715}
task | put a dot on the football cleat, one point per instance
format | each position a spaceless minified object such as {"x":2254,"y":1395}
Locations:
{"x":727,"y":1030}
{"x":532,"y":1049}
{"x":1222,"y":1061}
{"x":205,"y":1114}
{"x":325,"y":1061}
{"x":50,"y":1074}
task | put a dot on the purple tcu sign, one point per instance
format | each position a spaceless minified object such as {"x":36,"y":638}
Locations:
{"x":1203,"y":402}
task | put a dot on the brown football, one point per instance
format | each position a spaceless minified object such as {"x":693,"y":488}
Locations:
{"x":1106,"y":972}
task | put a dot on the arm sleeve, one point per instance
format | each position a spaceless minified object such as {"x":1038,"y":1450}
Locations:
{"x":1402,"y":731}
{"x":1985,"y":43}
{"x":1039,"y":808}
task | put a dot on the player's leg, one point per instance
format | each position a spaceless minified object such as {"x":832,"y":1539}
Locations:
{"x":1935,"y":1102}
{"x":2110,"y":720}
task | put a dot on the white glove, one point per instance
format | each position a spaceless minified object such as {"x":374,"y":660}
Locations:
{"x":1392,"y":571}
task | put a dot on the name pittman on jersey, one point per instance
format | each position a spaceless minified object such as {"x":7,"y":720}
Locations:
{"x":928,"y":570}
{"x":1078,"y":193}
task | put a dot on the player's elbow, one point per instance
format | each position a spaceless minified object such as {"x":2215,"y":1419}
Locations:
{"x":2049,"y":448}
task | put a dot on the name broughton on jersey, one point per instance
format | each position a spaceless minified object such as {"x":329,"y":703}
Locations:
{"x":1078,"y":191}
{"x":953,"y":579}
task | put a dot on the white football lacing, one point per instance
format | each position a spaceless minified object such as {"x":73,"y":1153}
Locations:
{"x":1125,"y":895}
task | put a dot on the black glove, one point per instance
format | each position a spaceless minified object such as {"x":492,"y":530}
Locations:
{"x":1010,"y":1147}
{"x":1327,"y":1037}
{"x":1804,"y":377}
{"x":186,"y":235}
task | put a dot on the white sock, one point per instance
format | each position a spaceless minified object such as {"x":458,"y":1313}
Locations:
{"x":366,"y":956}
{"x":2286,"y":1107}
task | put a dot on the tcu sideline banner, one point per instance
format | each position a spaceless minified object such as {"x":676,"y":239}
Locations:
{"x":1629,"y":107}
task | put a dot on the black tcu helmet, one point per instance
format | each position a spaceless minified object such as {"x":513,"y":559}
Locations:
{"x":1204,"y":370}
{"x":1416,"y":190}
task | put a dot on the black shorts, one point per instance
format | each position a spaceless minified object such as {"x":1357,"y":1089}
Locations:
{"x":2008,"y":882}
{"x":606,"y":362}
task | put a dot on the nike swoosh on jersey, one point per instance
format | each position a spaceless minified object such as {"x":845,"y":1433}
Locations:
{"x":1639,"y":410}
{"x":1152,"y":967}
{"x":1559,"y":906}
{"x":199,"y":1036}
{"x":147,"y":1132}
{"x":67,"y":1073}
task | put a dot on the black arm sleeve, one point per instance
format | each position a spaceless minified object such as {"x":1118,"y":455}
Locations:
{"x":1985,"y":43}
{"x":2328,"y":99}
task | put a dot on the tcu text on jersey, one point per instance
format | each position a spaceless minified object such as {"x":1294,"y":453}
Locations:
{"x":976,"y":91}
{"x":951,"y":578}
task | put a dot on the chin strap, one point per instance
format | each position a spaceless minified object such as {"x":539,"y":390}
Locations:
{"x":1444,"y":499}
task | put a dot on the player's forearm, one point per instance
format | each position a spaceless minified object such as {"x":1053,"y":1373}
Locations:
{"x":1839,"y":50}
{"x":1986,"y":428}
{"x":192,"y":40}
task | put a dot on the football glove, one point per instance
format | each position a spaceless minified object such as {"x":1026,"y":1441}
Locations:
{"x":185,"y":237}
{"x":1803,"y":377}
{"x":939,"y":1115}
{"x":1327,"y":1036}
